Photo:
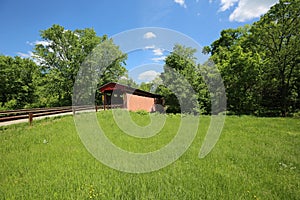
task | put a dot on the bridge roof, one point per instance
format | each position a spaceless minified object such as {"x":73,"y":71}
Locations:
{"x":112,"y":86}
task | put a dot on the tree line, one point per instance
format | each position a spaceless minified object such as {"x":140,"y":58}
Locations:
{"x":47,"y":79}
{"x":259,"y":65}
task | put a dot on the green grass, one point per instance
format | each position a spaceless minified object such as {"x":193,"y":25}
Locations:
{"x":255,"y":158}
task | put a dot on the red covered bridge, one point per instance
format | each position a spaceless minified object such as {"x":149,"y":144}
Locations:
{"x":116,"y":95}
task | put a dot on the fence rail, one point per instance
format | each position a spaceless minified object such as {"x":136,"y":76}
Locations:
{"x":11,"y":115}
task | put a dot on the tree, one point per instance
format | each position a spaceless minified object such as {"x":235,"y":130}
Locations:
{"x":260,"y":63}
{"x":146,"y":86}
{"x":277,"y":36}
{"x":185,"y":84}
{"x":125,"y":80}
{"x":103,"y":65}
{"x":240,"y":70}
{"x":62,"y":54}
{"x":17,"y":82}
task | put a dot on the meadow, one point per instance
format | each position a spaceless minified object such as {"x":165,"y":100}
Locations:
{"x":255,"y":158}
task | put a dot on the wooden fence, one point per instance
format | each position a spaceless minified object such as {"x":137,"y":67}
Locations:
{"x":10,"y":115}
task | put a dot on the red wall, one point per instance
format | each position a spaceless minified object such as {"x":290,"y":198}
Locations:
{"x":135,"y":102}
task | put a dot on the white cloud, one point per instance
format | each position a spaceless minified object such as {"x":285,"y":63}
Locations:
{"x":158,"y":59}
{"x":29,"y":54}
{"x":150,"y":47}
{"x":149,"y":35}
{"x":226,"y":4}
{"x":148,"y":75}
{"x":158,"y":52}
{"x":38,"y":60}
{"x":42,"y":42}
{"x":30,"y":43}
{"x":246,"y":9}
{"x":181,"y":3}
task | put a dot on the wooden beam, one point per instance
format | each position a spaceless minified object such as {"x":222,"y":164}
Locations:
{"x":124,"y":100}
{"x":104,"y":101}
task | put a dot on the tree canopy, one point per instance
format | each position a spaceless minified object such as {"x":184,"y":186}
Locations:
{"x":61,"y":56}
{"x":17,"y":82}
{"x":259,"y":65}
{"x":183,"y":83}
{"x":47,"y":79}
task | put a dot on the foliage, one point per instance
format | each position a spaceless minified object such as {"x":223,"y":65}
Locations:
{"x":146,"y":86}
{"x":17,"y":82}
{"x":260,"y":63}
{"x":142,"y":112}
{"x":103,"y":65}
{"x":61,"y":56}
{"x":184,"y":86}
{"x":240,"y":69}
{"x":277,"y":36}
{"x":125,"y":80}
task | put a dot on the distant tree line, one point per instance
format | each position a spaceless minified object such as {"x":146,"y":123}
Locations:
{"x":258,"y":63}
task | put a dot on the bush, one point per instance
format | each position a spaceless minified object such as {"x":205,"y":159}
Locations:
{"x":142,"y":112}
{"x":12,"y":104}
{"x":296,"y":114}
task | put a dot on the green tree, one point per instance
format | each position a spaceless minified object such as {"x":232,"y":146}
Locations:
{"x":182,"y":61}
{"x":146,"y":86}
{"x":260,"y":63}
{"x":125,"y":80}
{"x":276,"y":36}
{"x":17,"y":82}
{"x":60,"y":57}
{"x":103,"y":65}
{"x":240,"y":69}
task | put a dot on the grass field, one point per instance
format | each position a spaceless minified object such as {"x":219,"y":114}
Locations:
{"x":255,"y":158}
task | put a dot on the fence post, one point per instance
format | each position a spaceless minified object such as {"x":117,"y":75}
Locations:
{"x":30,"y":118}
{"x":96,"y":108}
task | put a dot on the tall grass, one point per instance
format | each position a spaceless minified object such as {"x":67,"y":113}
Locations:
{"x":255,"y":158}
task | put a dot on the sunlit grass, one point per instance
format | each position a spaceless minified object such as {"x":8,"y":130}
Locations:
{"x":255,"y":158}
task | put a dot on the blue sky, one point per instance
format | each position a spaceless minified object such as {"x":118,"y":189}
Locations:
{"x":202,"y":20}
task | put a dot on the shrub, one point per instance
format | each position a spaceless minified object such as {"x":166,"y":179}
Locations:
{"x":142,"y":112}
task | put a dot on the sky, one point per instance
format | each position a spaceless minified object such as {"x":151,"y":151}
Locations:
{"x":201,"y":20}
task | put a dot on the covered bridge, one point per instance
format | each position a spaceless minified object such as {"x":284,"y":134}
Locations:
{"x":116,"y":95}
